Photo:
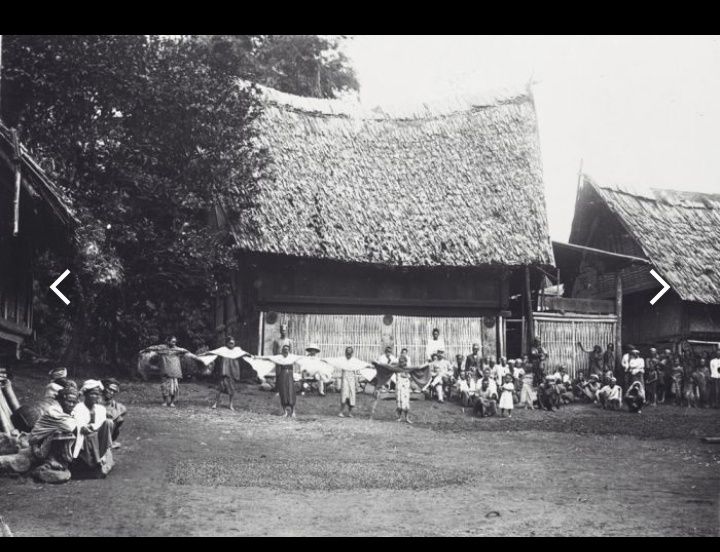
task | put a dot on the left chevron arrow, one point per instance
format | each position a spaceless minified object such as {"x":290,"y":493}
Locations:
{"x":56,"y":291}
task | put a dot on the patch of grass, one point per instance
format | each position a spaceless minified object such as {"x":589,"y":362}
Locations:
{"x":319,"y":474}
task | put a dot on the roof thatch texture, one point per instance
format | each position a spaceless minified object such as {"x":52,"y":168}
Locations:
{"x":453,"y":185}
{"x":679,"y":232}
{"x":35,"y":181}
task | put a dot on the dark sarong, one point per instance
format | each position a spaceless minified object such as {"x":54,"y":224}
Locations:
{"x":285,"y":385}
{"x":96,"y":445}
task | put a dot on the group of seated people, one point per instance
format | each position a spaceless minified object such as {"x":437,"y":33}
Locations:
{"x":74,"y":429}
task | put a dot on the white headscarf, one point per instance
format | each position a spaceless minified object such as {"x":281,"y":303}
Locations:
{"x":91,"y":384}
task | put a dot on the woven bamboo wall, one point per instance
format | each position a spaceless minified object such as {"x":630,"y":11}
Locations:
{"x":559,"y":336}
{"x":368,"y":334}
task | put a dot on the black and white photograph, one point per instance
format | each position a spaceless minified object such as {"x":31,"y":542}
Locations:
{"x":359,"y":286}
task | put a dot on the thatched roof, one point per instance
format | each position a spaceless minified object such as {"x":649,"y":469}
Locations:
{"x":35,"y":181}
{"x":452,"y":185}
{"x":678,"y":232}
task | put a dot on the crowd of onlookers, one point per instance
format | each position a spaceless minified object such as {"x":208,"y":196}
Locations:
{"x":533,"y":381}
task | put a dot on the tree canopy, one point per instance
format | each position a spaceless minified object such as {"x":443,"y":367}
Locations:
{"x":144,"y":133}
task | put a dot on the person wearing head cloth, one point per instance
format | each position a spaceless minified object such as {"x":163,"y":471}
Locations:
{"x":57,"y":375}
{"x":284,"y":378}
{"x":94,"y":428}
{"x":227,"y":370}
{"x":610,"y":396}
{"x":317,"y":369}
{"x":116,"y":411}
{"x":349,"y":367}
{"x":53,"y":437}
{"x":404,"y":372}
{"x":636,"y":366}
{"x":169,"y":355}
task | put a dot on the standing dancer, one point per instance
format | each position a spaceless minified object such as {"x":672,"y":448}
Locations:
{"x":284,"y":378}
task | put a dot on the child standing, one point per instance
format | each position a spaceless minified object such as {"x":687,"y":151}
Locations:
{"x":527,"y":395}
{"x":506,"y":398}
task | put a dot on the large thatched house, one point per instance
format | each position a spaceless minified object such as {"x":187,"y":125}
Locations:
{"x":36,"y":217}
{"x":375,"y":227}
{"x":678,"y":234}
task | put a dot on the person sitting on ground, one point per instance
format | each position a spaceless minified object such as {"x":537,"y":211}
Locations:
{"x":116,"y":411}
{"x":590,"y":388}
{"x":610,"y":396}
{"x":321,"y":377}
{"x":467,"y":389}
{"x":440,"y":369}
{"x":95,"y":430}
{"x":486,"y":403}
{"x":53,"y":436}
{"x":548,"y":396}
{"x":506,"y":398}
{"x":635,"y":397}
{"x":486,"y":374}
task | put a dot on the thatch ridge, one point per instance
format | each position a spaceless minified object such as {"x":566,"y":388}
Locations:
{"x":455,"y":183}
{"x":678,"y":231}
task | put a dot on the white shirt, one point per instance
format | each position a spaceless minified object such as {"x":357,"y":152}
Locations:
{"x":612,"y":393}
{"x":387,"y":359}
{"x":625,"y":362}
{"x":715,"y":368}
{"x":637,"y":366}
{"x":433,"y":346}
{"x":82,"y":415}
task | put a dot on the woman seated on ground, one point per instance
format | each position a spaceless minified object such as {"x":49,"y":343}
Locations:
{"x":487,"y":400}
{"x":116,"y":411}
{"x":635,"y":397}
{"x":610,"y":396}
{"x":94,"y":428}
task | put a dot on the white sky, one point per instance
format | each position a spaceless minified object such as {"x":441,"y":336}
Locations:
{"x":639,"y":111}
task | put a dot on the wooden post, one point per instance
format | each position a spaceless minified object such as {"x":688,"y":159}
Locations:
{"x":618,"y":322}
{"x":528,"y":302}
{"x":18,"y":178}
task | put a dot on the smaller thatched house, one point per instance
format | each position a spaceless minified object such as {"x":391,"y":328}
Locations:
{"x":678,"y":233}
{"x":373,"y":228}
{"x":33,"y":214}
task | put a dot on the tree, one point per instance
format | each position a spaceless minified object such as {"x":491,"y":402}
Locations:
{"x":306,"y":65}
{"x":147,"y":137}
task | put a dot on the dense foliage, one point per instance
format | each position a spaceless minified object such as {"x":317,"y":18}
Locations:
{"x":146,"y":135}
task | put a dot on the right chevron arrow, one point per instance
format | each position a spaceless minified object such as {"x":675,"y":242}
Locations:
{"x":665,"y":286}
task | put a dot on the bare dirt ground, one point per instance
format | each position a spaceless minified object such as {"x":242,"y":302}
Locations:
{"x":193,"y":471}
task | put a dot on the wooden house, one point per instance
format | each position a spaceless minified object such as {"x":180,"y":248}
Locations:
{"x":33,"y":215}
{"x":676,"y":233}
{"x":373,"y":228}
